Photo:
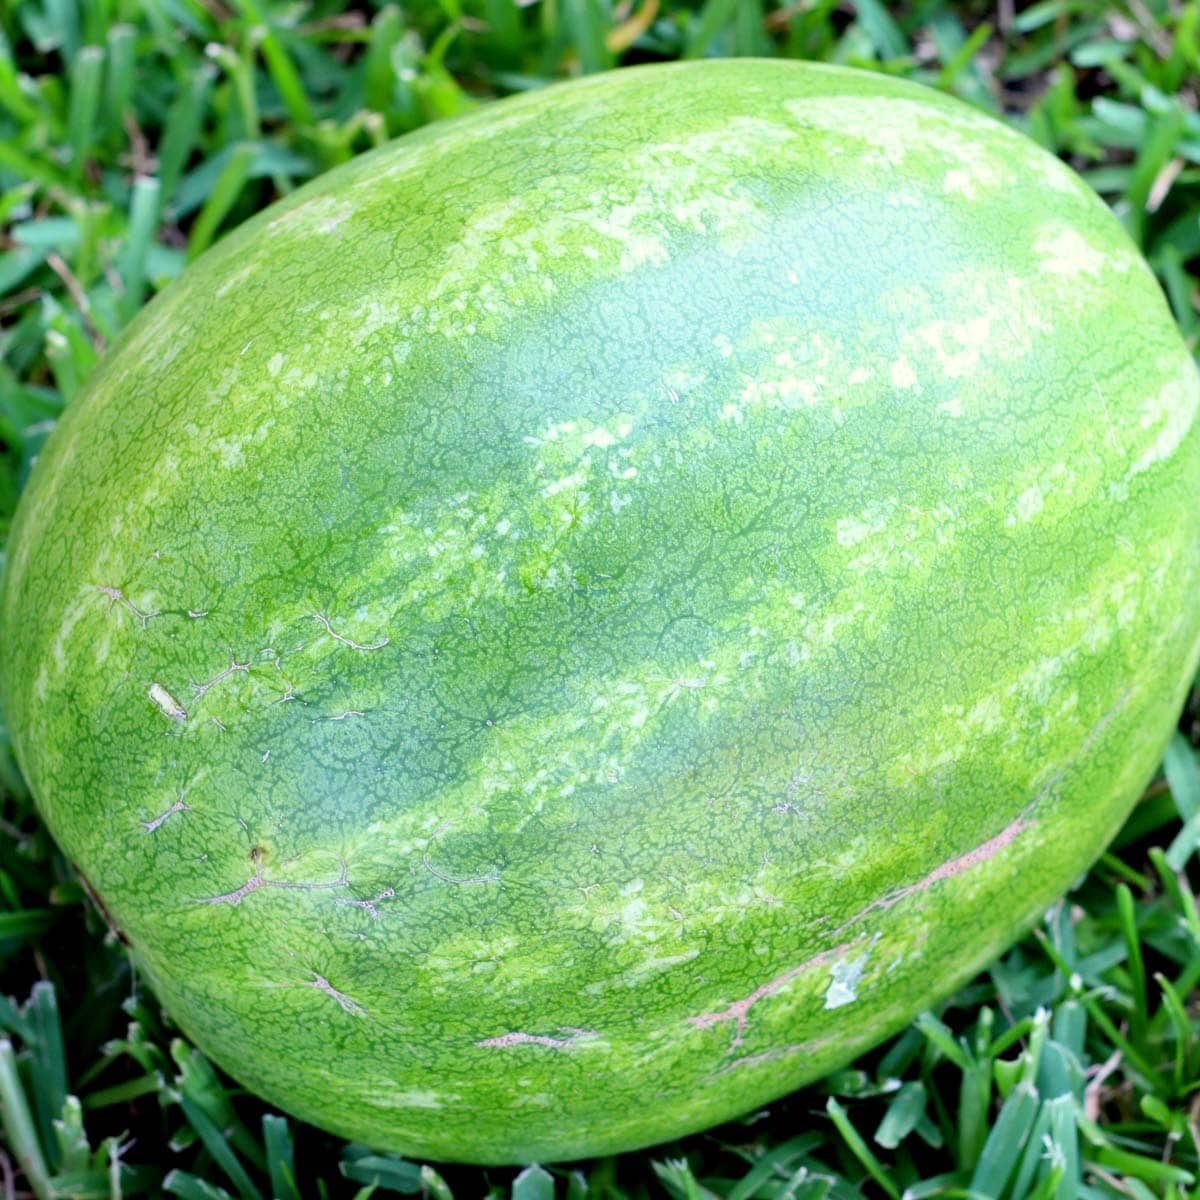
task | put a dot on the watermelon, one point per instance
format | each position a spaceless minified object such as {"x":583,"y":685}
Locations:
{"x":594,"y":614}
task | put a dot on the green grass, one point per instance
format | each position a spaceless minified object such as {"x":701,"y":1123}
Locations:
{"x":133,"y":133}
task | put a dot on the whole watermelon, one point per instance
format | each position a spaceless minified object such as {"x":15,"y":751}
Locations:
{"x":590,"y":616}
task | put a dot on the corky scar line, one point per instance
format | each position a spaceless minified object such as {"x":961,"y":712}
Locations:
{"x":969,"y":859}
{"x":974,"y":857}
{"x":344,"y":1002}
{"x":200,"y":690}
{"x":368,"y":905}
{"x":257,"y":881}
{"x":537,"y":1039}
{"x":116,"y":596}
{"x":337,"y":637}
{"x":739,"y":1009}
{"x":772,"y":1055}
{"x":492,"y":876}
{"x":986,"y":851}
{"x":180,"y":805}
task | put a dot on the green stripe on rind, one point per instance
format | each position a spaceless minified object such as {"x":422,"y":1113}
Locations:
{"x":700,"y":573}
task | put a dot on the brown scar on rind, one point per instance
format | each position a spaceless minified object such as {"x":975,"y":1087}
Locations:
{"x":349,"y":712}
{"x":114,"y":928}
{"x":986,"y":851}
{"x":772,"y":1055}
{"x":344,"y":1002}
{"x":256,"y":881}
{"x":179,"y":806}
{"x":738,"y":1010}
{"x":116,"y":596}
{"x":976,"y":856}
{"x":492,"y":876}
{"x":537,"y":1039}
{"x":200,"y":689}
{"x":368,"y":905}
{"x":379,"y":645}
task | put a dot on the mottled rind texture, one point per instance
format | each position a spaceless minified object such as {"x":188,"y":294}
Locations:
{"x":586,"y":618}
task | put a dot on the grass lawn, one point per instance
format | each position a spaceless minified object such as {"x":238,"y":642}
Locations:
{"x":133,"y":133}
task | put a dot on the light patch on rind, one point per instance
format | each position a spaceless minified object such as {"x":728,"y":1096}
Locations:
{"x":1048,"y":683}
{"x":231,"y":450}
{"x":793,"y":371}
{"x":1054,"y":485}
{"x":986,"y":155}
{"x":1063,"y":250}
{"x":413,"y":1098}
{"x":166,"y":703}
{"x":475,"y":545}
{"x":1170,"y":413}
{"x":318,"y":214}
{"x":902,"y":374}
{"x":648,"y":967}
{"x":889,"y":534}
{"x":79,"y":608}
{"x":663,"y":189}
{"x":844,"y":977}
{"x":960,"y":346}
{"x":519,"y":1038}
{"x":999,"y":319}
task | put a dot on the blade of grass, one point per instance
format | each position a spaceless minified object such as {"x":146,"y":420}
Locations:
{"x":1184,"y":1033}
{"x":87,"y":73}
{"x":621,"y":37}
{"x":961,"y":59}
{"x":1184,"y":844}
{"x":18,"y":1125}
{"x":714,"y":16}
{"x":587,"y":31}
{"x":1180,"y":290}
{"x":1138,"y":1166}
{"x":881,"y":29}
{"x":182,"y":128}
{"x":536,"y":1183}
{"x":279,"y":66}
{"x":1133,"y":951}
{"x":1176,"y":886}
{"x":217,"y":1145}
{"x":222,"y":198}
{"x":1006,"y":1141}
{"x":380,"y":1170}
{"x":49,"y":1062}
{"x":379,"y":74}
{"x":903,"y":1113}
{"x":12,"y":96}
{"x":281,"y":1163}
{"x":859,"y":1148}
{"x":121,"y":75}
{"x":774,"y":1161}
{"x":1182,"y":770}
{"x":190,"y":1187}
{"x":143,"y":217}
